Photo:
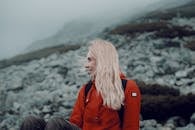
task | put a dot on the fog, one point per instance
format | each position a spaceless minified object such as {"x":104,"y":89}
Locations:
{"x":24,"y":21}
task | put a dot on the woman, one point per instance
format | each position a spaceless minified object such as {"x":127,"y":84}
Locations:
{"x":99,"y":109}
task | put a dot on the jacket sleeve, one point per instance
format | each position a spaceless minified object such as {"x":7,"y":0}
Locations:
{"x":76,"y":116}
{"x":132,"y":106}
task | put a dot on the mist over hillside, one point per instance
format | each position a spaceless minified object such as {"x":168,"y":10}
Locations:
{"x":25,"y":23}
{"x":82,"y":29}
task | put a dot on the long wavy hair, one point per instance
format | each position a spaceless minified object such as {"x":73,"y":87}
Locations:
{"x":107,"y":75}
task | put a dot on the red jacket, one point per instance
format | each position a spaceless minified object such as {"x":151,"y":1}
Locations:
{"x":95,"y":116}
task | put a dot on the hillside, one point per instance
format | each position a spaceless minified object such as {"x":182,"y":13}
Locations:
{"x":156,"y":50}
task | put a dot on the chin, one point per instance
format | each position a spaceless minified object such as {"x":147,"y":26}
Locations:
{"x":89,"y":73}
{"x":92,"y":76}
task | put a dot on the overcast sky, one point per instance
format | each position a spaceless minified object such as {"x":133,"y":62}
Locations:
{"x":24,"y":21}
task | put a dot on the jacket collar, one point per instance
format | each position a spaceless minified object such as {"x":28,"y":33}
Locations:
{"x":122,"y":76}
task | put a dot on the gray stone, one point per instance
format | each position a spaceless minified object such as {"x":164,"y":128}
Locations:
{"x":192,"y":119}
{"x":180,"y":74}
{"x":176,"y":121}
{"x":46,"y":109}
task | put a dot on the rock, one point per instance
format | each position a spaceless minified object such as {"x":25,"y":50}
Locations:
{"x":180,"y":74}
{"x":15,"y":84}
{"x":192,"y":119}
{"x":192,"y":57}
{"x":47,"y":117}
{"x":169,"y":126}
{"x":46,"y":109}
{"x":186,"y":72}
{"x":32,"y":78}
{"x":176,"y":121}
{"x":37,"y":111}
{"x":149,"y":123}
{"x":16,"y":106}
{"x":188,"y":127}
{"x":165,"y":128}
{"x":63,"y":71}
{"x":170,"y":66}
{"x":190,"y":45}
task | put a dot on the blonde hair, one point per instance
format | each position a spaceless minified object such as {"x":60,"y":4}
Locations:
{"x":107,"y":75}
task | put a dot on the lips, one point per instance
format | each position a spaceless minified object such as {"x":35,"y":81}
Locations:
{"x":88,"y":71}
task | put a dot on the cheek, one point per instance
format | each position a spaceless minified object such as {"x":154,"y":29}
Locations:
{"x":94,"y":65}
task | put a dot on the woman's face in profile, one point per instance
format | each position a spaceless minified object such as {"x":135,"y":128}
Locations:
{"x":90,"y":64}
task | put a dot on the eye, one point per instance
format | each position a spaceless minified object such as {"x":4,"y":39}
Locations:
{"x":89,"y":58}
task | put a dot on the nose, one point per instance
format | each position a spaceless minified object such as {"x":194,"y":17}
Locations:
{"x":86,"y":65}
